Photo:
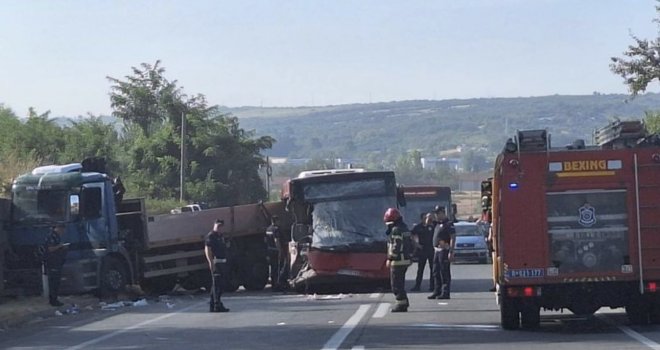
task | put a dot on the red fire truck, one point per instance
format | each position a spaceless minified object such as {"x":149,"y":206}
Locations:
{"x":578,"y":227}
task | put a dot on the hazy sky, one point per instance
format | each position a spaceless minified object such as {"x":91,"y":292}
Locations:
{"x":55,"y":55}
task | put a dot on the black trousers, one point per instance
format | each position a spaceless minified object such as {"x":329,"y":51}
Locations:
{"x":54,"y":277}
{"x":273,"y":267}
{"x":218,"y":275}
{"x":283,"y":278}
{"x":442,"y":273}
{"x":398,"y":284}
{"x":424,"y":256}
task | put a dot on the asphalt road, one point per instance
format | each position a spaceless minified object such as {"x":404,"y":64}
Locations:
{"x":273,"y":321}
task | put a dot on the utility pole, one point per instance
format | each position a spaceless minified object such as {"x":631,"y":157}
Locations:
{"x":269,"y":174}
{"x":183,"y":157}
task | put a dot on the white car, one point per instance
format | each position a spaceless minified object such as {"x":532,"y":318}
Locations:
{"x":470,"y":243}
{"x":187,"y":209}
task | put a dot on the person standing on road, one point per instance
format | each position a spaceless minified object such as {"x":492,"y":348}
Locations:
{"x":399,"y":251}
{"x":272,"y":240}
{"x":444,"y":238}
{"x":54,"y":253}
{"x":282,"y":240}
{"x":216,"y":254}
{"x":423,"y":234}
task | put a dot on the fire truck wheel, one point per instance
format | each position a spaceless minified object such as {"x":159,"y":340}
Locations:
{"x":530,"y":316}
{"x":638,"y":313}
{"x":113,"y":277}
{"x":654,"y":312}
{"x":509,"y":314}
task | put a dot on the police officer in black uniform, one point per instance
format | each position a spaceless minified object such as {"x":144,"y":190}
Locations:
{"x":54,"y":253}
{"x":423,"y":233}
{"x":272,"y":244}
{"x":216,"y":254}
{"x":443,"y":243}
{"x":399,"y":251}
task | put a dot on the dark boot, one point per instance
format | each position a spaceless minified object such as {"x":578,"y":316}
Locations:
{"x":415,"y":288}
{"x":221,"y":308}
{"x":55,"y":302}
{"x":400,"y":308}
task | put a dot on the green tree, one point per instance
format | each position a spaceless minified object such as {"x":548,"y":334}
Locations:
{"x":641,"y":64}
{"x":145,"y":98}
{"x":222,"y":159}
{"x":652,"y":121}
{"x":90,"y":137}
{"x":39,"y":137}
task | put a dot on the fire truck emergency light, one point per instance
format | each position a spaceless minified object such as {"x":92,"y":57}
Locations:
{"x":513,"y":185}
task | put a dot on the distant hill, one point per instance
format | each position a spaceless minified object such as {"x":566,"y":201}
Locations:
{"x":483,"y":124}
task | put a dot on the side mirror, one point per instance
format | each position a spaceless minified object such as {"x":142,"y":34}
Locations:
{"x":74,"y":203}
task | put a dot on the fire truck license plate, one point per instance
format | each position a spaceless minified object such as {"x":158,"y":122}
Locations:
{"x":524,"y":273}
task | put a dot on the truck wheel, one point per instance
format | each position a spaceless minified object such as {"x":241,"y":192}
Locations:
{"x":232,"y":281}
{"x":231,"y":284}
{"x":196,"y":280}
{"x":113,"y":277}
{"x":654,"y":311}
{"x":530,"y":317}
{"x":158,"y":285}
{"x":509,"y":314}
{"x":638,"y":312}
{"x":257,"y":278}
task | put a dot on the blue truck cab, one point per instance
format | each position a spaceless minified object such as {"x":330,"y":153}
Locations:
{"x":86,"y":202}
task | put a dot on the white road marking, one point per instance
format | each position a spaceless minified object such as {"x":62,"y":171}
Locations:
{"x":135,"y":326}
{"x":631,"y":333}
{"x":358,"y":347}
{"x":479,"y":327}
{"x":347,"y":328}
{"x":382,"y":310}
{"x":375,"y":295}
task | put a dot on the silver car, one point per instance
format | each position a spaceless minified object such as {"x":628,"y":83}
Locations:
{"x":470,"y":243}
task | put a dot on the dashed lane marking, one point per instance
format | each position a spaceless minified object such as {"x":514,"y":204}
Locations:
{"x":473,"y":327}
{"x":135,"y":326}
{"x":631,"y":333}
{"x":358,"y":347}
{"x":382,"y":310}
{"x":375,"y":295}
{"x":339,"y":337}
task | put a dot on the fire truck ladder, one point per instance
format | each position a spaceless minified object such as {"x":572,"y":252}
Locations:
{"x":648,"y":218}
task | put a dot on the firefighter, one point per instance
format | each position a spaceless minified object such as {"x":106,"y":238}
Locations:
{"x":216,"y":254}
{"x":423,"y":234}
{"x":272,"y":240}
{"x":399,"y":249}
{"x":54,"y":254}
{"x":444,"y":238}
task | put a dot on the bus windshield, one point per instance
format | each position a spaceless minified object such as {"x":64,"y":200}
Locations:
{"x":43,"y":206}
{"x":343,"y":223}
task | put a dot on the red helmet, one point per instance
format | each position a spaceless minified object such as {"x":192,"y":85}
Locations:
{"x":391,"y":215}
